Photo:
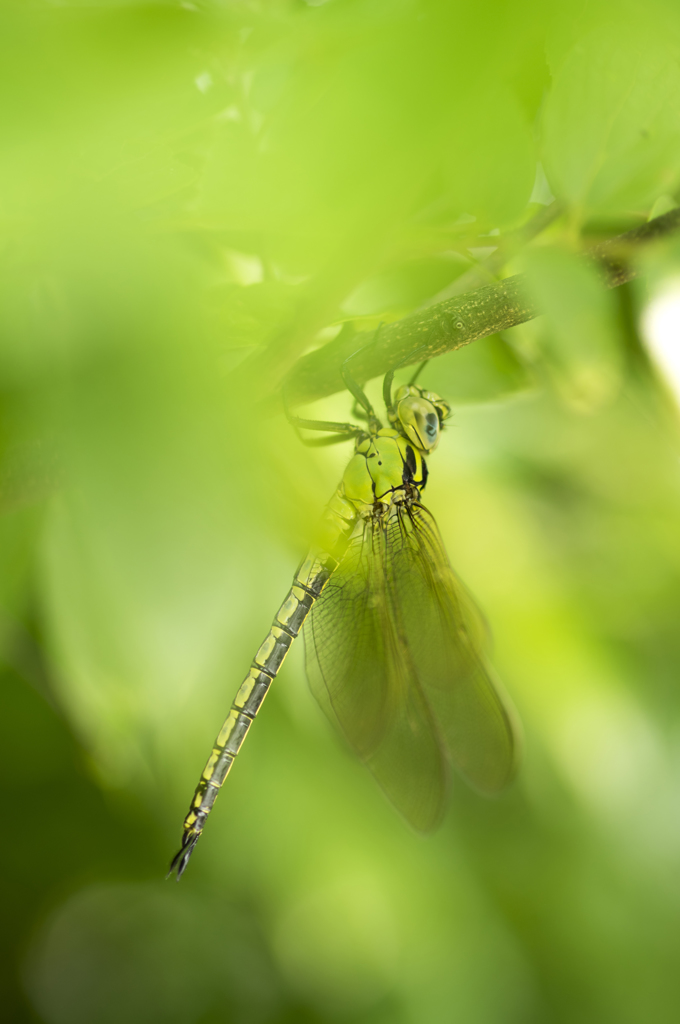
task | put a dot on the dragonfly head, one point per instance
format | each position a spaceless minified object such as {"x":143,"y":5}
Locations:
{"x":420,"y":415}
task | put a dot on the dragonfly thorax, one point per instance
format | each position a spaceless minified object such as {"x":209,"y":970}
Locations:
{"x":384,"y":466}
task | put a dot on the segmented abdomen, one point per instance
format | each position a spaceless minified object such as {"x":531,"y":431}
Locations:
{"x":308,"y":582}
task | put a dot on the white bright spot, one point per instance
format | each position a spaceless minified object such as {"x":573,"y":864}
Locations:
{"x":203,"y":81}
{"x":231,"y":113}
{"x":256,"y":121}
{"x":660,"y":328}
{"x":541,"y":192}
{"x":480,"y":252}
{"x":285,"y":278}
{"x":244,"y":268}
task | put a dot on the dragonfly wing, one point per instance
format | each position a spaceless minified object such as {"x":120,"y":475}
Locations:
{"x":361,"y":672}
{"x":445,"y":634}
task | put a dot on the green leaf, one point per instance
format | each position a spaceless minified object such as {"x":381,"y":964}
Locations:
{"x":611,"y":125}
{"x":490,"y":156}
{"x":401,"y":288}
{"x":482,"y":372}
{"x":575,"y":342}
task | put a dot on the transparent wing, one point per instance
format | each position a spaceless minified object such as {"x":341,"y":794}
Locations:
{"x":361,"y":671}
{"x":445,"y":635}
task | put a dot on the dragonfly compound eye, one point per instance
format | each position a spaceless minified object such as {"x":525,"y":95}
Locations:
{"x":419,"y":421}
{"x":443,"y":408}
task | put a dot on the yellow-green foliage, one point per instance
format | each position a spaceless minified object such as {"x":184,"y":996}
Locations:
{"x":192,"y":195}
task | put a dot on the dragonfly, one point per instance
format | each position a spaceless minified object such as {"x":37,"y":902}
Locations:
{"x":394,"y":642}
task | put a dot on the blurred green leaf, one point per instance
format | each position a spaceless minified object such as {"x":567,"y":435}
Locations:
{"x":576,"y":341}
{"x":184,"y":185}
{"x":611,"y":131}
{"x":401,"y":288}
{"x":486,"y":371}
{"x":490,"y":158}
{"x":136,"y":947}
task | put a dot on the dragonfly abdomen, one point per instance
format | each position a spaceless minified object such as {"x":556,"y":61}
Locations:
{"x":308,"y":583}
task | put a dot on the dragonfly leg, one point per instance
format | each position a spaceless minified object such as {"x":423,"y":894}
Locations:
{"x":325,"y":442}
{"x":387,"y":390}
{"x":360,"y":397}
{"x":346,"y":430}
{"x":419,"y":370}
{"x":389,"y":376}
{"x":350,"y":429}
{"x":358,"y":411}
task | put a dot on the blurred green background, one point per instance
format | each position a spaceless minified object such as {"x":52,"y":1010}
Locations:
{"x":192,"y":196}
